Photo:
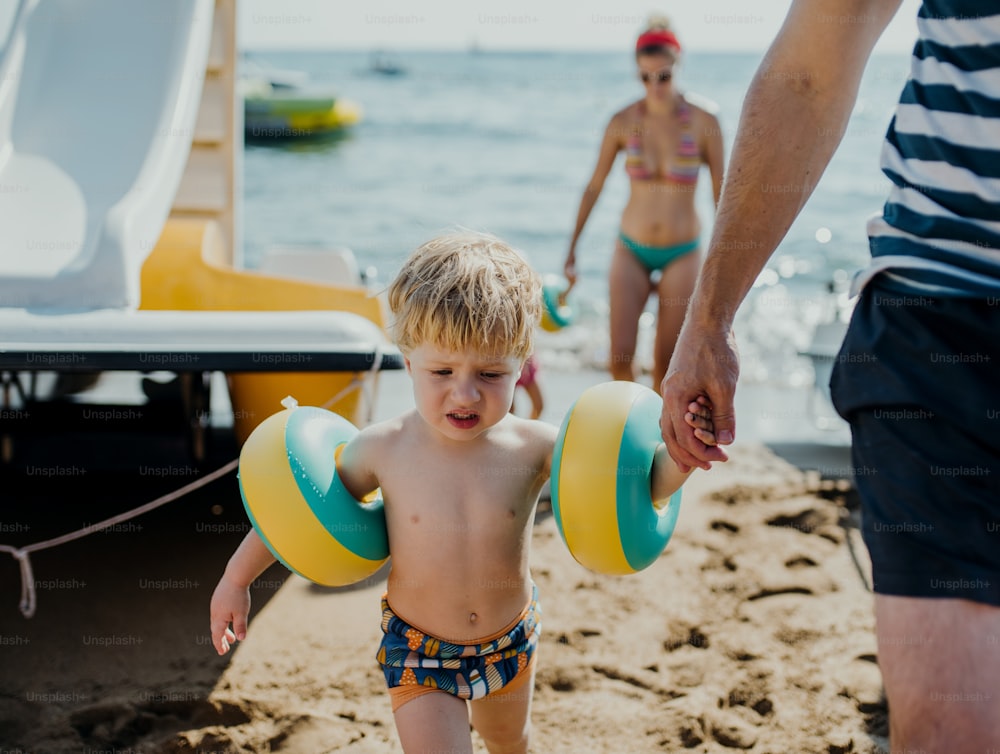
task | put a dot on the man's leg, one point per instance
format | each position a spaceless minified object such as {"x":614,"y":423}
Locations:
{"x":926,"y":457}
{"x":940,"y":662}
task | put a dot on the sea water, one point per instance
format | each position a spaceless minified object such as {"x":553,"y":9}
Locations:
{"x":505,"y":142}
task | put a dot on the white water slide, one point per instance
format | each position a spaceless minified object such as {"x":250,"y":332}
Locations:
{"x":98,"y":104}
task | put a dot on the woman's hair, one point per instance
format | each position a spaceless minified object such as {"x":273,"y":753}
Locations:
{"x":658,"y":39}
{"x":466,"y":290}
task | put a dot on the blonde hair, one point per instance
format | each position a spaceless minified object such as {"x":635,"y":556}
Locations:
{"x":466,"y":290}
{"x":657,"y":22}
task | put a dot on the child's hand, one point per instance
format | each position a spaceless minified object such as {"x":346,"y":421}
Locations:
{"x":230,"y":603}
{"x":699,"y":418}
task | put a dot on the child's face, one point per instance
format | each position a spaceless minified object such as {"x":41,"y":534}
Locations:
{"x":462,"y":394}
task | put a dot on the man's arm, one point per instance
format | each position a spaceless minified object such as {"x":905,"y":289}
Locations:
{"x":793,"y":118}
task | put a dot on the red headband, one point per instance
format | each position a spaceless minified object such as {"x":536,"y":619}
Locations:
{"x":657,"y":38}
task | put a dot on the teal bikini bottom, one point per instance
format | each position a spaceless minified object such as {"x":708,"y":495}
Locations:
{"x":655,"y":258}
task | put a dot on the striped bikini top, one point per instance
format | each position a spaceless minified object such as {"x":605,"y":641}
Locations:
{"x":686,"y":163}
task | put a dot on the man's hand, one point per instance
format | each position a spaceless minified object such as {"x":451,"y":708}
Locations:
{"x":705,"y":365}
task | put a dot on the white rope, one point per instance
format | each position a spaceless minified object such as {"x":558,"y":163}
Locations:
{"x":23,"y":554}
{"x":351,"y":386}
{"x":360,"y":383}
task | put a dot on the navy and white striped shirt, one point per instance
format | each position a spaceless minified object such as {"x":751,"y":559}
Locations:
{"x":939,"y":232}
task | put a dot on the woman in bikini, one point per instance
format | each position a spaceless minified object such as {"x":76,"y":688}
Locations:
{"x":666,"y":138}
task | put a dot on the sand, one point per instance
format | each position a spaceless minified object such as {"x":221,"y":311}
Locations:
{"x":753,"y":631}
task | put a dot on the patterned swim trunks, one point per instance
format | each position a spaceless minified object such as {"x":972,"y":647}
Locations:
{"x":416,"y":663}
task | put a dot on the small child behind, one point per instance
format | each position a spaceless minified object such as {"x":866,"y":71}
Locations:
{"x":529,"y":382}
{"x":460,"y":477}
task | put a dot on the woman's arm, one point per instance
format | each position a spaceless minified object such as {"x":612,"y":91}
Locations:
{"x":714,"y":152}
{"x":611,"y":144}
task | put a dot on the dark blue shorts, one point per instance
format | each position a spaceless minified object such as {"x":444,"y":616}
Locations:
{"x":918,"y":379}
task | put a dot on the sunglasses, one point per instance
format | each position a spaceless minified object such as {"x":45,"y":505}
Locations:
{"x":661,"y":76}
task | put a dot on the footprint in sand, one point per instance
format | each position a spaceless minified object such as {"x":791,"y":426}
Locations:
{"x":681,"y":635}
{"x":764,"y":593}
{"x":562,"y":679}
{"x":725,"y":526}
{"x":801,"y":561}
{"x":732,"y":732}
{"x":811,"y":521}
{"x":752,"y":695}
{"x":117,"y":722}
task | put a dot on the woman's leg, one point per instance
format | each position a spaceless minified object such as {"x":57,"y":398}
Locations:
{"x":629,"y":289}
{"x":675,"y":289}
{"x":433,"y":723}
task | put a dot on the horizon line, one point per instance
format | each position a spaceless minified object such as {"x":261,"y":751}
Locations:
{"x":479,"y":49}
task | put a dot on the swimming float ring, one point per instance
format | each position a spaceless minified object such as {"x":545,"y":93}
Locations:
{"x":556,"y":314}
{"x":298,"y":505}
{"x":601,"y":475}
